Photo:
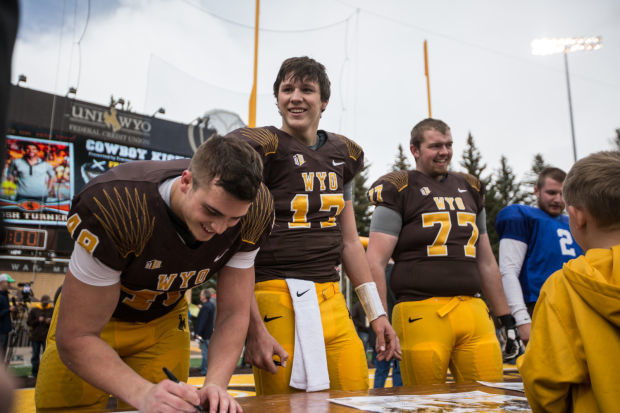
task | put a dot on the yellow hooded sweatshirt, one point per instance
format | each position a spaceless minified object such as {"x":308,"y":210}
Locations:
{"x":572,"y":361}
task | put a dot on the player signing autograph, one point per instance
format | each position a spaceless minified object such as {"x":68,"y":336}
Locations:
{"x":144,"y":233}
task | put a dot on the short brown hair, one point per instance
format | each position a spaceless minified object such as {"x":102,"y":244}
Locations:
{"x":417,"y":133}
{"x":234,"y":162}
{"x":205,"y":293}
{"x":593,"y":183}
{"x":304,"y":68}
{"x":550,"y":172}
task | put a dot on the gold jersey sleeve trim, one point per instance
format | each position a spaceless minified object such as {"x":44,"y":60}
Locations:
{"x":264,"y":137}
{"x":126,"y":219}
{"x":354,"y":149}
{"x":259,"y":217}
{"x":471,"y":180}
{"x":400,"y":179}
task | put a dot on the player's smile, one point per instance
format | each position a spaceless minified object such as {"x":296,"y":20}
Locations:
{"x":209,"y":209}
{"x":296,"y":114}
{"x":434,"y":154}
{"x":216,"y":222}
{"x":300,"y":105}
{"x":217,"y":225}
{"x":206,"y":230}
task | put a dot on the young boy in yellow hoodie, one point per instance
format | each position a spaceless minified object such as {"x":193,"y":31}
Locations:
{"x":572,"y":360}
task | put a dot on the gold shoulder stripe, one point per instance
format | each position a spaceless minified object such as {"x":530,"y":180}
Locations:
{"x":471,"y":180}
{"x":264,"y":137}
{"x":400,"y":179}
{"x":126,"y":219}
{"x":259,"y":217}
{"x":354,"y":149}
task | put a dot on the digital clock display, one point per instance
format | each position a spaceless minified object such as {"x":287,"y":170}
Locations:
{"x":25,"y":238}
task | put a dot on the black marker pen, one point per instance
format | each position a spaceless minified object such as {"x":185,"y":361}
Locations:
{"x":172,"y":377}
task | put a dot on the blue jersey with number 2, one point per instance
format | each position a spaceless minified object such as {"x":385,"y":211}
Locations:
{"x":549,"y":244}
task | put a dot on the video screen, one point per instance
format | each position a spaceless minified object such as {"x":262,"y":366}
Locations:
{"x":37,"y":183}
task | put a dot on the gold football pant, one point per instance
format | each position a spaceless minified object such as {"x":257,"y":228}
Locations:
{"x":145,"y":347}
{"x":447,"y":332}
{"x":346,"y":359}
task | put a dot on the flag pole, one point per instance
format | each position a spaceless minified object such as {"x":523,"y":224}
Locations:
{"x":252,"y":112}
{"x":428,"y":80}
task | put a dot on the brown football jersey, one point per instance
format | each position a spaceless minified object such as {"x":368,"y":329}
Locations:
{"x":307,"y":185}
{"x":435,"y":255}
{"x":121,"y":219}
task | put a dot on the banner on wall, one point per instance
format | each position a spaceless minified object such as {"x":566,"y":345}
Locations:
{"x":57,"y":144}
{"x":74,"y":118}
{"x":96,"y":157}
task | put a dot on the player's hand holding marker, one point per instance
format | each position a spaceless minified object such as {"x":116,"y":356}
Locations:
{"x":170,"y":396}
{"x":261,"y":347}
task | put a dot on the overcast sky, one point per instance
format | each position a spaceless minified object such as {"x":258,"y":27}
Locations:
{"x":192,"y":56}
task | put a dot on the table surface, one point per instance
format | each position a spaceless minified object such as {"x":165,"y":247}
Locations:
{"x":317,"y":402}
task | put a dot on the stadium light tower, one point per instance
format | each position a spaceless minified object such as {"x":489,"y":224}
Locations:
{"x":565,"y":45}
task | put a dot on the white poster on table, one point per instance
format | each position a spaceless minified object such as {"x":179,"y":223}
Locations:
{"x":468,"y":402}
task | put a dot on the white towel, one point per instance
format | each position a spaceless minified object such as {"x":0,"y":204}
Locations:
{"x":309,"y":370}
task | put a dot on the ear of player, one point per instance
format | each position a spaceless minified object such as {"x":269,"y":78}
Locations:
{"x":512,"y":346}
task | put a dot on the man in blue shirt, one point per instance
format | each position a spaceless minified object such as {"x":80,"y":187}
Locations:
{"x":534,"y":243}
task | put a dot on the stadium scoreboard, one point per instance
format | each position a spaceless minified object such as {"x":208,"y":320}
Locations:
{"x":25,"y":238}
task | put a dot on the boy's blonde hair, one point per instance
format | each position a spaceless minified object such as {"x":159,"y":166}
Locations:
{"x":594,"y":183}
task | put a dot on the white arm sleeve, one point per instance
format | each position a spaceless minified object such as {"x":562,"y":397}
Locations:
{"x":511,"y":256}
{"x":242,"y":259}
{"x":90,"y":270}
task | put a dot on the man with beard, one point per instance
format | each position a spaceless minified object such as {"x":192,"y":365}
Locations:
{"x":534,"y":243}
{"x":431,"y":221}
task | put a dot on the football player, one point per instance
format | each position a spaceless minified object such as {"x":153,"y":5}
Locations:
{"x":432,"y":223}
{"x":310,"y":174}
{"x":534,"y":243}
{"x":145,"y":232}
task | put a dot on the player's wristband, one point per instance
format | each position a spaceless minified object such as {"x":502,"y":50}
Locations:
{"x":507,"y":321}
{"x":522,"y":316}
{"x":369,"y":297}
